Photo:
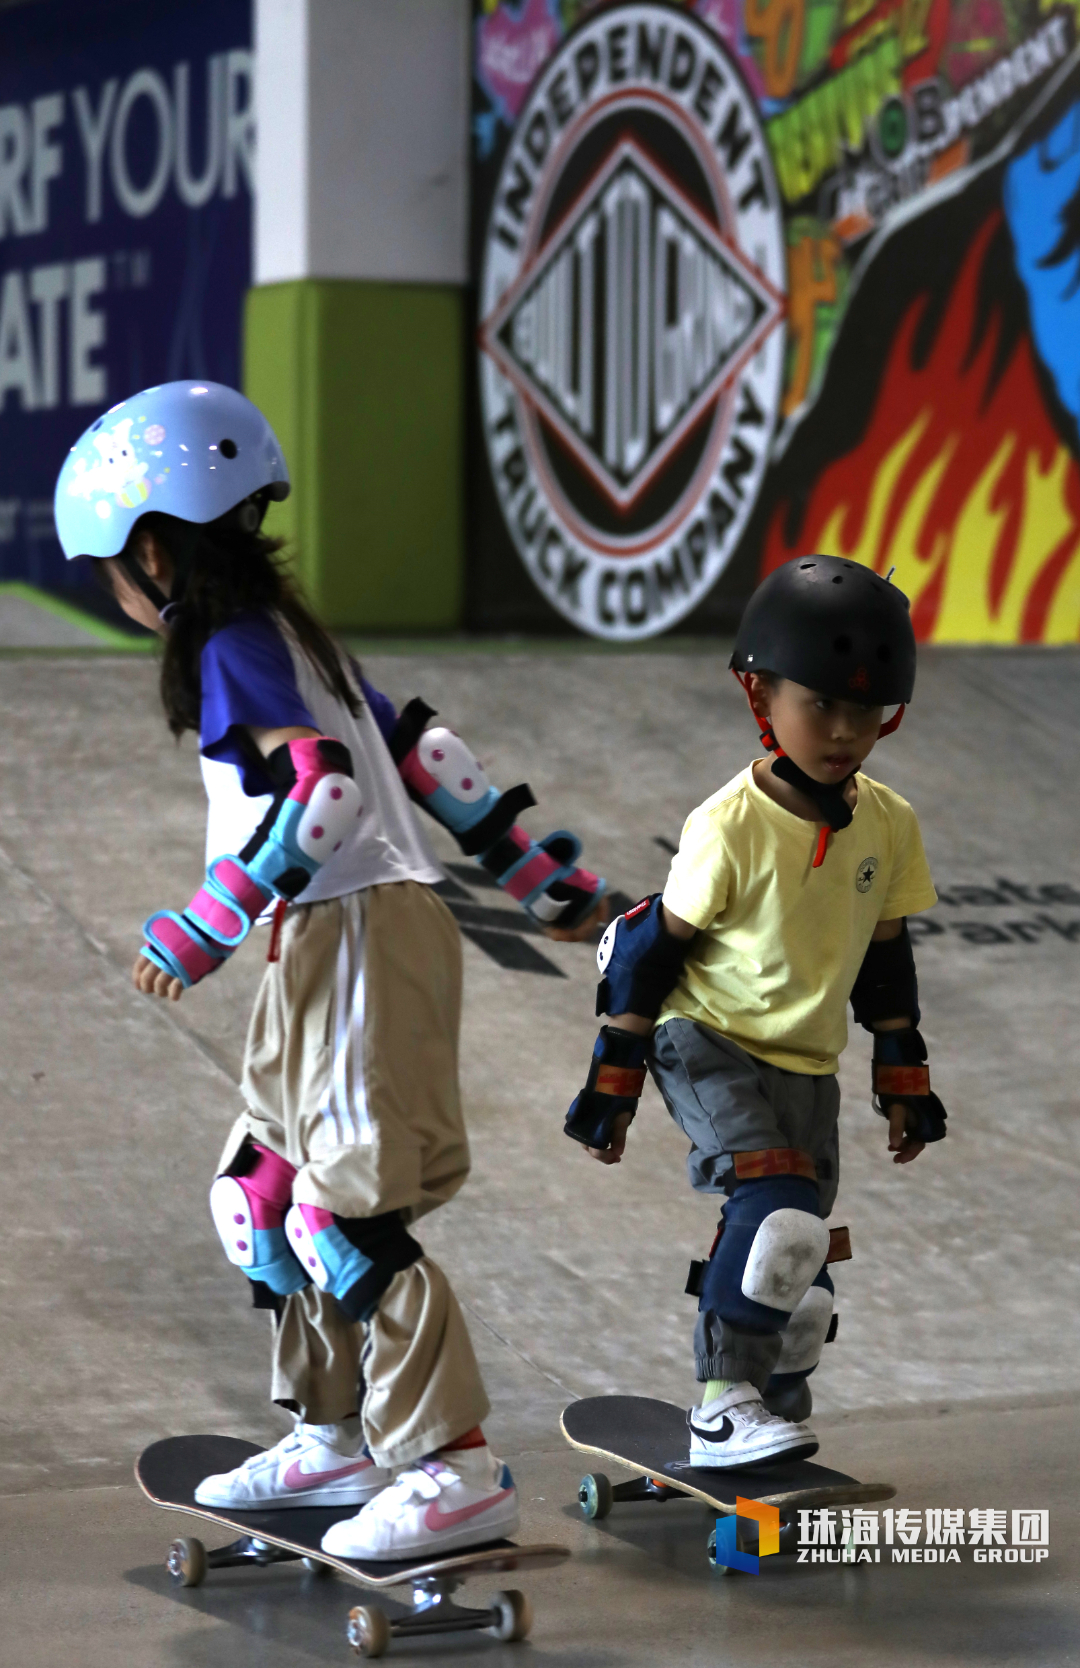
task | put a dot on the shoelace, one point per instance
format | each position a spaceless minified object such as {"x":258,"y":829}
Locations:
{"x":755,"y":1413}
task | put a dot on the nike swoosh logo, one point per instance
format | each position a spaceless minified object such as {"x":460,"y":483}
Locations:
{"x":296,"y":1478}
{"x":436,"y":1520}
{"x":726,"y":1428}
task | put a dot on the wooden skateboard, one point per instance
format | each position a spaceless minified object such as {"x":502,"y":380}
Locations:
{"x":169,"y":1471}
{"x":651,"y":1437}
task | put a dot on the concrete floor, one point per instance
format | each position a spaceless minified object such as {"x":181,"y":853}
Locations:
{"x":955,"y":1370}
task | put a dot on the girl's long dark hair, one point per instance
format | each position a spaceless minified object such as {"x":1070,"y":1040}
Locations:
{"x":225,"y":572}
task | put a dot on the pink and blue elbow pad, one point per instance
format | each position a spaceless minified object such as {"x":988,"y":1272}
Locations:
{"x":316,"y":806}
{"x":445,"y":776}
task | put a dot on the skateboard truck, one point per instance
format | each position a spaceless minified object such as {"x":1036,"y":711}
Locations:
{"x":597,"y":1494}
{"x":371,"y":1626}
{"x":188,"y":1560}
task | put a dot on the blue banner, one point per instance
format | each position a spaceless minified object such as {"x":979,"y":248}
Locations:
{"x":127,"y":135}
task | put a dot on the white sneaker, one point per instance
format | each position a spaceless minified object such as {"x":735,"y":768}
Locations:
{"x":433,"y":1507}
{"x":303,"y":1469}
{"x":737,"y":1429}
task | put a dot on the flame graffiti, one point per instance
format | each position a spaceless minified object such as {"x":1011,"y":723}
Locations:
{"x":973,"y":498}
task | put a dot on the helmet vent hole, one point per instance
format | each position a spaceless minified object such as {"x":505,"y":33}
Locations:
{"x":95,"y":426}
{"x":842,"y":645}
{"x":804,"y":566}
{"x":884,"y":652}
{"x":838,"y":579}
{"x":227,"y":448}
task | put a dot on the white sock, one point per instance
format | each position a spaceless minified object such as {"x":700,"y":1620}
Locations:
{"x":345,"y":1438}
{"x":477,"y":1466}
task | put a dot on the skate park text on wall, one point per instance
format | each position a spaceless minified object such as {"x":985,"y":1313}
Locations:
{"x":631,"y":308}
{"x":1044,"y":926}
{"x":126,"y":161}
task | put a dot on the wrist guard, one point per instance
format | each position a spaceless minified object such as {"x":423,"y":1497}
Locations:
{"x":639,"y":960}
{"x":616,"y":1079}
{"x":901,"y":1077}
{"x":446,"y":778}
{"x":316,"y":805}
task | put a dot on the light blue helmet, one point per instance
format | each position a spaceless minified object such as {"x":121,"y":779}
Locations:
{"x":189,"y":449}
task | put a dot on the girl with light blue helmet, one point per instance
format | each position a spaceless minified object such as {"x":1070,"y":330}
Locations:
{"x":353,"y":1126}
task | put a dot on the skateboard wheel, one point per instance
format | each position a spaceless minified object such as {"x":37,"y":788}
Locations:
{"x":368,"y":1630}
{"x":710,"y":1548}
{"x":594,"y":1495}
{"x":515,"y":1616}
{"x":316,"y":1566}
{"x":186,"y":1562}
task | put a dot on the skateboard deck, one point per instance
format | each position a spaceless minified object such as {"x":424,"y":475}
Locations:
{"x":651,"y":1437}
{"x":168,"y":1473}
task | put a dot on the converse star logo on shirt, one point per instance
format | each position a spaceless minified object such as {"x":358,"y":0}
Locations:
{"x":864,"y":874}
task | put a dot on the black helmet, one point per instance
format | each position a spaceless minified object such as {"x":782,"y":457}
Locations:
{"x":833,"y":625}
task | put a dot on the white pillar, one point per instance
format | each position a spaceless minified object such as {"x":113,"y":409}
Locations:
{"x":362,"y":167}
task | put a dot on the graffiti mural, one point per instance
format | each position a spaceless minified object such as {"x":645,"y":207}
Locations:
{"x":925,"y":177}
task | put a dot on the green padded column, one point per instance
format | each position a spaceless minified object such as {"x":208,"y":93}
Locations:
{"x":363,"y":383}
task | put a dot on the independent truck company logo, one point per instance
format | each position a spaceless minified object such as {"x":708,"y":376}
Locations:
{"x":632,"y":306}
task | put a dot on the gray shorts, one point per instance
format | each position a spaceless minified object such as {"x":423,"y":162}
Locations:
{"x":727,"y":1102}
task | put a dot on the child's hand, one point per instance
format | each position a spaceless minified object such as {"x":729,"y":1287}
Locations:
{"x":579,"y":934}
{"x":613,"y":1154}
{"x":154,"y":981}
{"x":901,"y":1143}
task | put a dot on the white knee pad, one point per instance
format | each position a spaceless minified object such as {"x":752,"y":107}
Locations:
{"x":788,"y":1251}
{"x":805,"y":1333}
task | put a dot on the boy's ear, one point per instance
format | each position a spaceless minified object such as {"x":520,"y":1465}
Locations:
{"x":760,"y":693}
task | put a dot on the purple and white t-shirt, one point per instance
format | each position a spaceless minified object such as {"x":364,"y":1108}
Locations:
{"x":255,"y":673}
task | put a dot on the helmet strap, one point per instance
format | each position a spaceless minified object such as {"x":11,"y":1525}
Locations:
{"x":139,"y":577}
{"x":827,"y":796}
{"x":768,"y":739}
{"x":182,"y":549}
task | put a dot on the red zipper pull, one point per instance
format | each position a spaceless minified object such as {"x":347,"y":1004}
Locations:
{"x":274,"y":952}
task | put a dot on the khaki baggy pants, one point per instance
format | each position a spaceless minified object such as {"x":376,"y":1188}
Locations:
{"x":350,"y":1074}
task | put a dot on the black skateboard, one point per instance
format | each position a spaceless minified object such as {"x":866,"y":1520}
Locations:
{"x":168,"y":1473}
{"x":652,"y":1438}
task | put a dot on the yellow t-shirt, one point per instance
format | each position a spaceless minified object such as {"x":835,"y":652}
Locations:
{"x":780,"y":942}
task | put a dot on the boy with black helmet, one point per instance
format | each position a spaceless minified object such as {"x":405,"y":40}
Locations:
{"x":787,"y":897}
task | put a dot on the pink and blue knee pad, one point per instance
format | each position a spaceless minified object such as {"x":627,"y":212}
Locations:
{"x":353,"y":1258}
{"x":288,"y":1246}
{"x":248,"y":1207}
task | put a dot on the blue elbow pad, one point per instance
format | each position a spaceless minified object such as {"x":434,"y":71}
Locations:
{"x":639,"y":961}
